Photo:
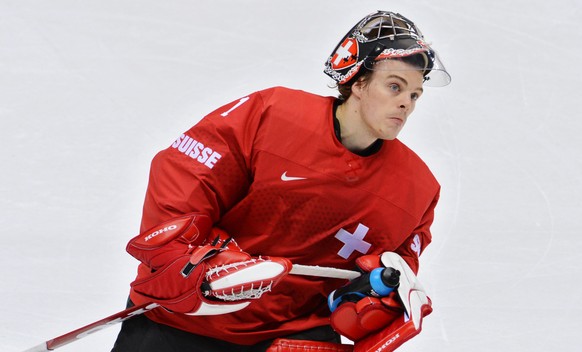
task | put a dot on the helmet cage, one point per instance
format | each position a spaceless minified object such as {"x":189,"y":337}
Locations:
{"x":380,"y":36}
{"x":385,"y":25}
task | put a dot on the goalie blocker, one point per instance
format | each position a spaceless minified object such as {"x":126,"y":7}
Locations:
{"x":383,"y":323}
{"x":374,"y":324}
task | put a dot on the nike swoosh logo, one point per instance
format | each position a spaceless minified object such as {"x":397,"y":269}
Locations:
{"x":284,"y":177}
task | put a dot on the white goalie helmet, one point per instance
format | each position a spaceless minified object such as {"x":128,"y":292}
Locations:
{"x":381,"y":36}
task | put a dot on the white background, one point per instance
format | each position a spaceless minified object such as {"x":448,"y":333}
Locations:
{"x":91,"y":90}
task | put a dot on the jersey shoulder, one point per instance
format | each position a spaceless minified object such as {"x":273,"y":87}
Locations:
{"x":292,"y":97}
{"x":291,"y":108}
{"x":412,"y":164}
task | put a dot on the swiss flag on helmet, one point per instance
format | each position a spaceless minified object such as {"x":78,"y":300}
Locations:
{"x":346,"y":54}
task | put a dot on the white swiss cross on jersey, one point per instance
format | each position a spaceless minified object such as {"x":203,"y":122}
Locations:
{"x":353,"y":241}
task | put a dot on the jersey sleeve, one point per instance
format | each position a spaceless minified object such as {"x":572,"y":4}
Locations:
{"x":208,"y":168}
{"x":414,"y":245}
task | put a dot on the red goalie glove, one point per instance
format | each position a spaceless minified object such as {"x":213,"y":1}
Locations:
{"x":192,"y":276}
{"x":358,"y":314}
{"x":384,"y":323}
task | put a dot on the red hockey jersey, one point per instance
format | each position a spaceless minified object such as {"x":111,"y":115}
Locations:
{"x":270,"y":171}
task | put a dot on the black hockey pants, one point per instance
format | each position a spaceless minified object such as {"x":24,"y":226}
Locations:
{"x":140,"y":334}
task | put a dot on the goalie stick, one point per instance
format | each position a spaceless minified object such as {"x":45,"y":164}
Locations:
{"x":50,"y":345}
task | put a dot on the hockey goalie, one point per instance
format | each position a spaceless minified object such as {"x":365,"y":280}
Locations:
{"x":282,"y":177}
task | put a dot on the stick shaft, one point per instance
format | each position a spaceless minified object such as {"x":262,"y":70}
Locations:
{"x":298,"y":269}
{"x":323,"y":271}
{"x":93,"y":327}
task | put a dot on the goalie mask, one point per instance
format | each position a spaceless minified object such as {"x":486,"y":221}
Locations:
{"x":381,"y":36}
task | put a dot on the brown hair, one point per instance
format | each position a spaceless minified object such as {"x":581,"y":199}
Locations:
{"x":345,"y":90}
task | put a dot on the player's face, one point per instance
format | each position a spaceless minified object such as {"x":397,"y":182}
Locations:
{"x":389,"y":97}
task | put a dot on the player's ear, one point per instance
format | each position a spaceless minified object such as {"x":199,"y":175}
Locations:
{"x":358,"y":86}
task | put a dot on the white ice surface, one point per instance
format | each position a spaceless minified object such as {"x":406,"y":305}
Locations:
{"x":91,"y":90}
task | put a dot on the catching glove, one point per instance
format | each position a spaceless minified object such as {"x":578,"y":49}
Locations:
{"x":192,"y":275}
